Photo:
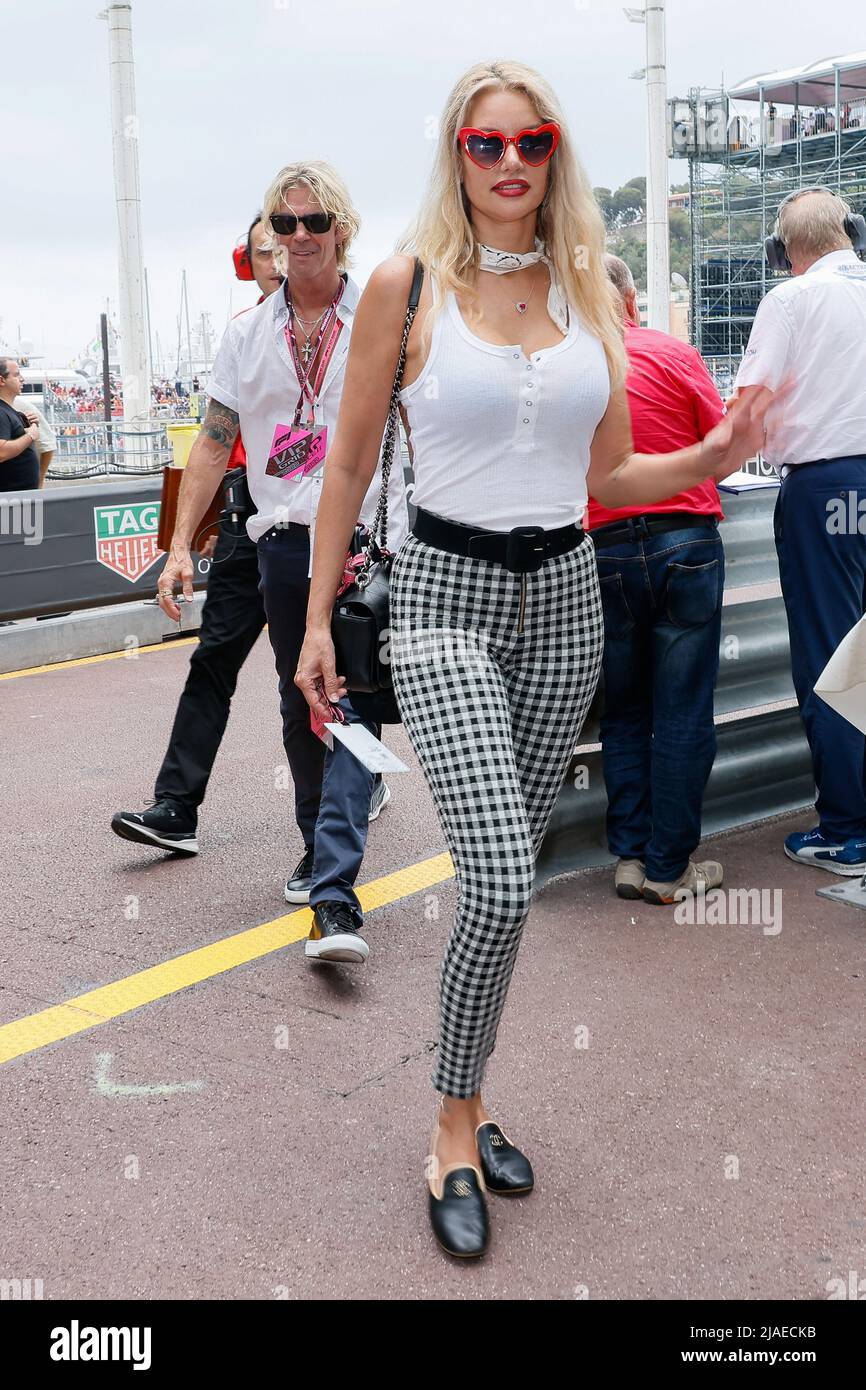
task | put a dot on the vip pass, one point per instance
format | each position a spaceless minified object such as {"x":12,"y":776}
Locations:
{"x":297,"y":450}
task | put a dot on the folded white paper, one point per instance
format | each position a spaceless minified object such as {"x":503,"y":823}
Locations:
{"x":842,"y":683}
{"x":367,"y":749}
{"x":741,"y":481}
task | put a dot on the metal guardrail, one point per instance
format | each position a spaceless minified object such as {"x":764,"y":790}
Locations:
{"x":747,"y":533}
{"x":763,"y":767}
{"x":754,"y":663}
{"x":90,"y":448}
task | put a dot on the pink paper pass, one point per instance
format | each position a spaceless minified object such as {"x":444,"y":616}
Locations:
{"x":320,"y":726}
{"x":296,"y":452}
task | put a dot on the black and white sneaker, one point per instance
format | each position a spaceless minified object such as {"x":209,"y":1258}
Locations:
{"x":297,"y":889}
{"x":381,"y":796}
{"x":336,"y":934}
{"x":165,"y":825}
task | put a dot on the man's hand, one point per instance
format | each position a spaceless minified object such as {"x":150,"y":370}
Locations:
{"x":206,"y":551}
{"x":33,"y":433}
{"x":739,"y":435}
{"x":178,"y":570}
{"x":32,"y":417}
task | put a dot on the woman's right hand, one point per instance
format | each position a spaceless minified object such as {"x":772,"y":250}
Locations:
{"x":316,"y":676}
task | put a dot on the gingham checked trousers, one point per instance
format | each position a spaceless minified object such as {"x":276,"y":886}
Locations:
{"x":493,"y":714}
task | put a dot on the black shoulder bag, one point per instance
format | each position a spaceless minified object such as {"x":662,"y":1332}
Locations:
{"x":361,"y":617}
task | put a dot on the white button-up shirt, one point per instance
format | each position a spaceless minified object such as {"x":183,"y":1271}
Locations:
{"x":253,"y":374}
{"x":810,"y":334}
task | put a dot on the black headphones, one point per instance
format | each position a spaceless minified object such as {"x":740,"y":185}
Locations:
{"x":854,"y":224}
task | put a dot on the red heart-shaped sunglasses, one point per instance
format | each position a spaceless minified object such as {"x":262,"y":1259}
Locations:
{"x":487,"y":147}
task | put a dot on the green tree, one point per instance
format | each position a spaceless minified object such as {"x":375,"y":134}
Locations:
{"x":604,"y":198}
{"x":624,"y":213}
{"x":630,"y":205}
{"x":624,"y":207}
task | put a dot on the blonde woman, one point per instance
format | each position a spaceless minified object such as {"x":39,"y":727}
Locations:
{"x":513,"y":397}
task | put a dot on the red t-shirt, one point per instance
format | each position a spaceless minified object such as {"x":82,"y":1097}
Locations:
{"x":673,"y":403}
{"x":238,"y":455}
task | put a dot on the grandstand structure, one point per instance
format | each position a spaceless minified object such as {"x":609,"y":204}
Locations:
{"x":748,"y":146}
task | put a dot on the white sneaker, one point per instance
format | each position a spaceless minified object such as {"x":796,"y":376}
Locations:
{"x":381,"y":796}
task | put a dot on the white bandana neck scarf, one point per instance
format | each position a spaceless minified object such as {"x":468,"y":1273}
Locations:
{"x":502,"y":262}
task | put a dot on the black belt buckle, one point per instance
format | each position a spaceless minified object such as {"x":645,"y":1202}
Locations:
{"x":522,"y":553}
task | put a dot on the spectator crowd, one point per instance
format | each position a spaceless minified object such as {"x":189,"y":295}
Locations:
{"x":167,"y":397}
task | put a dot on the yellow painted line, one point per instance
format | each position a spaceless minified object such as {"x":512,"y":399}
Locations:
{"x":102,"y":656}
{"x":97,"y":1006}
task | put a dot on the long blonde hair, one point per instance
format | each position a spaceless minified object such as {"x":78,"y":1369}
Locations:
{"x":568,"y":221}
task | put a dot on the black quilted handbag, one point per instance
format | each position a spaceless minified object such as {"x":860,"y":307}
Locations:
{"x":360,"y":623}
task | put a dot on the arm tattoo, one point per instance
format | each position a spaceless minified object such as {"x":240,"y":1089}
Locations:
{"x":220,"y":423}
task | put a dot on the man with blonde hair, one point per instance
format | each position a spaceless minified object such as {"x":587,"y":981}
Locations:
{"x":808,"y":343}
{"x":278,"y":376}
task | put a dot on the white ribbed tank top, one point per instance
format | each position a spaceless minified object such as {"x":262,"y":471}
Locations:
{"x":501,"y":440}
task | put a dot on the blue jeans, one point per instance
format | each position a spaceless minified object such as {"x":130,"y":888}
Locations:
{"x":823,"y":572}
{"x":662,"y":602}
{"x":332,"y":789}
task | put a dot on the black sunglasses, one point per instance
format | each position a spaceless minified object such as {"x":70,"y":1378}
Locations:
{"x":286,"y":223}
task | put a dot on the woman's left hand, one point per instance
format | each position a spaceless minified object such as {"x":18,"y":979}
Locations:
{"x":316,"y":676}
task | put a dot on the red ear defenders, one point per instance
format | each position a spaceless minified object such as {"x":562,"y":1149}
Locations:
{"x":855,"y":229}
{"x":241,"y":259}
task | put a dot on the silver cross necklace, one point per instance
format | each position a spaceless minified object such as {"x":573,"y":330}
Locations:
{"x":308,"y":349}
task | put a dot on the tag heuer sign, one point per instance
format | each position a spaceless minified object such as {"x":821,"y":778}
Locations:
{"x":126,"y":538}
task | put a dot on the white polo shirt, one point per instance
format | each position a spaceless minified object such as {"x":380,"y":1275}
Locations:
{"x":810,"y":332}
{"x":47,"y":437}
{"x":253,"y":374}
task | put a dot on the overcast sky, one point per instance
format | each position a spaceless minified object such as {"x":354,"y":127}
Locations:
{"x":230,"y":90}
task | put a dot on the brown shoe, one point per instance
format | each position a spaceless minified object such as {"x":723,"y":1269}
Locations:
{"x":695,"y":878}
{"x":629,"y":878}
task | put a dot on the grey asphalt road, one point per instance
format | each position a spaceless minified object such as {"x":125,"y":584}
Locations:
{"x":691,"y":1094}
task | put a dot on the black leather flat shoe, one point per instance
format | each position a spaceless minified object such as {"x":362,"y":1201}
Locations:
{"x":459,"y":1217}
{"x":507,"y":1172}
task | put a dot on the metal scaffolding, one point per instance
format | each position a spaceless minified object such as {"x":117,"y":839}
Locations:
{"x":748,"y":147}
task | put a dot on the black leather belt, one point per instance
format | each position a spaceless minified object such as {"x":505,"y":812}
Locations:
{"x":636,"y":528}
{"x":521,"y":550}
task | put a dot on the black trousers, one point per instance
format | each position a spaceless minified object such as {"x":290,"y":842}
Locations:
{"x":233,"y":615}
